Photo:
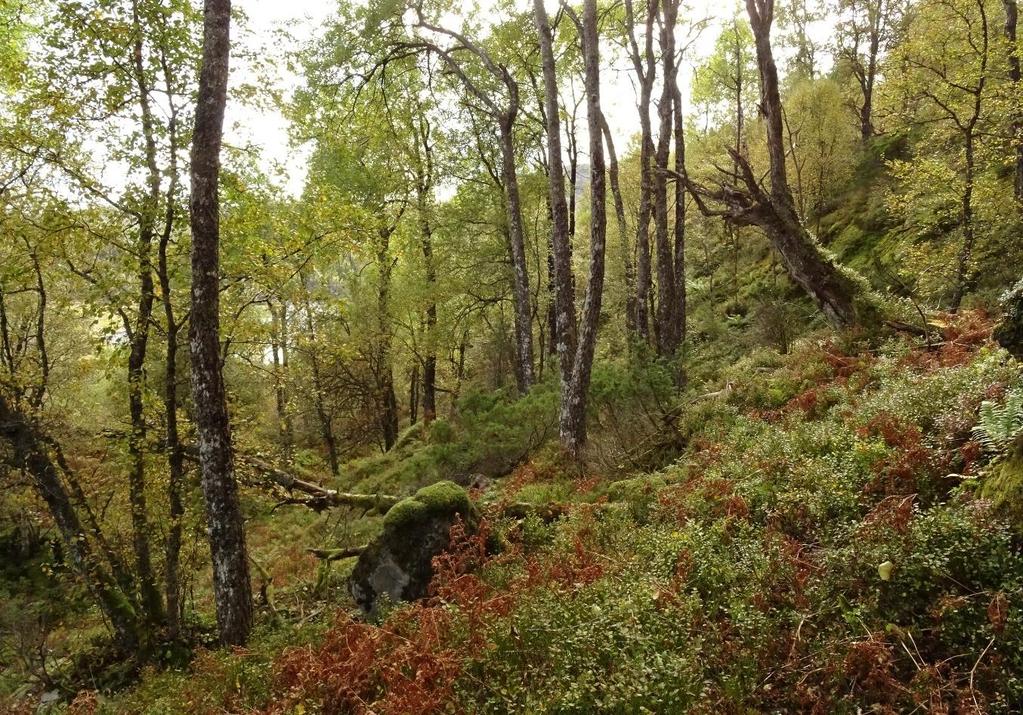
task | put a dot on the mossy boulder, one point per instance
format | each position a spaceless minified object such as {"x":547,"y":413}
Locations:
{"x":399,"y":563}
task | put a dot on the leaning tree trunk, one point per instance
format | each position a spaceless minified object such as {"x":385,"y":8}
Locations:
{"x":232,"y":589}
{"x":31,"y":453}
{"x":835,"y":292}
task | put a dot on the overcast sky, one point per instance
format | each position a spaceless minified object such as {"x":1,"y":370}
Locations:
{"x":268,"y":131}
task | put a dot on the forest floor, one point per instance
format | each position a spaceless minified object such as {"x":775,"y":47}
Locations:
{"x":830,"y":530}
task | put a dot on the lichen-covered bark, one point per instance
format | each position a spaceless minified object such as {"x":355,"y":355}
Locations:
{"x":576,"y":357}
{"x":667,"y":333}
{"x":1011,"y":20}
{"x":231,"y":587}
{"x":517,"y":250}
{"x":645,"y":68}
{"x":839,"y":295}
{"x":564,"y":332}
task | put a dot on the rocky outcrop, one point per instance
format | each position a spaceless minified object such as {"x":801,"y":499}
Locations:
{"x":398,"y":565}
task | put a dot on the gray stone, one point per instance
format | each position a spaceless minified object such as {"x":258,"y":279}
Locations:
{"x":399,"y":563}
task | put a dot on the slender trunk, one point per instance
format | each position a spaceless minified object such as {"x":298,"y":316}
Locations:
{"x":623,"y":235}
{"x":564,"y":299}
{"x":869,"y":78}
{"x":175,"y":450}
{"x":387,"y":400}
{"x":740,"y":127}
{"x":573,"y":176}
{"x":322,"y":413}
{"x":1011,"y":19}
{"x":413,"y":395}
{"x":279,"y":347}
{"x":517,"y":250}
{"x":139,"y":339}
{"x":644,"y":65}
{"x":962,"y":279}
{"x":573,"y":405}
{"x":232,"y":588}
{"x":680,"y":218}
{"x":5,"y":336}
{"x":426,"y":237}
{"x":667,"y":303}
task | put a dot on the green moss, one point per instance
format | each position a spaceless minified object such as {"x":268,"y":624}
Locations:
{"x":404,"y":512}
{"x":443,"y":496}
{"x":1003,"y":485}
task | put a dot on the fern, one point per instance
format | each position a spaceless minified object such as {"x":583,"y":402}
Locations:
{"x":1000,"y":424}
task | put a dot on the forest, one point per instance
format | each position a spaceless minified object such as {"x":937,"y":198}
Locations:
{"x":571,"y":356}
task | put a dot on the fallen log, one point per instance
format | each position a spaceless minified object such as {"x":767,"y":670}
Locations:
{"x":320,"y":497}
{"x":338,"y":554}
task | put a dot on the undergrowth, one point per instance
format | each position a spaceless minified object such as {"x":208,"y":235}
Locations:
{"x":825,"y":541}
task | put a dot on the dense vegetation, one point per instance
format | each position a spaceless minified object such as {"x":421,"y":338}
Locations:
{"x":717,"y":411}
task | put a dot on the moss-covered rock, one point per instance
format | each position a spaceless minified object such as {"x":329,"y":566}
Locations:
{"x":399,"y":563}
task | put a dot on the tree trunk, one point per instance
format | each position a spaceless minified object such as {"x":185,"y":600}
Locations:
{"x":645,"y":67}
{"x":573,"y":407}
{"x":413,"y":395}
{"x":30,"y":453}
{"x":962,"y":278}
{"x":834,"y":292}
{"x":576,"y":359}
{"x":517,"y":250}
{"x":680,"y":218}
{"x":139,"y":339}
{"x":423,"y":189}
{"x":561,"y":251}
{"x":387,"y":400}
{"x":667,"y":302}
{"x":1011,"y":19}
{"x":279,"y":346}
{"x":232,"y":589}
{"x":175,"y":453}
{"x":623,"y":235}
{"x":322,"y":414}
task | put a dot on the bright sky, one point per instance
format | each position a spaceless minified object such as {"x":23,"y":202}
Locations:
{"x":269,"y":130}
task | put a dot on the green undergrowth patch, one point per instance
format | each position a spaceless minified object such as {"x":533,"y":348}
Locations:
{"x":491,"y":434}
{"x":821,"y":543}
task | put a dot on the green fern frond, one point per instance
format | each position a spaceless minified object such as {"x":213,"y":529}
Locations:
{"x":1000,"y":424}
